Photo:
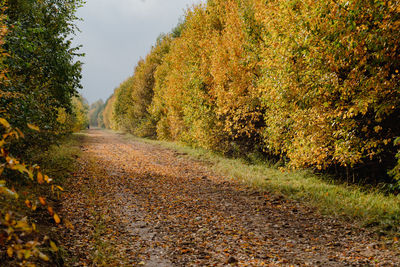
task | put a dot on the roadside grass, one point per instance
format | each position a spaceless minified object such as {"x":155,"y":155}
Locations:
{"x":59,"y":161}
{"x":365,"y":207}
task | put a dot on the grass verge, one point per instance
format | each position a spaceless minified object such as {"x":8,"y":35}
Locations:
{"x":59,"y":161}
{"x":364,"y":207}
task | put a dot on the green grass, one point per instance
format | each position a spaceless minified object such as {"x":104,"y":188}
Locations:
{"x":59,"y":161}
{"x":364,"y":207}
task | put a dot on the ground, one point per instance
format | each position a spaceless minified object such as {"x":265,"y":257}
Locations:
{"x":137,"y":204}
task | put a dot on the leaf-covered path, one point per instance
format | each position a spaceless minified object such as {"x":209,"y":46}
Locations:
{"x":136,"y":204}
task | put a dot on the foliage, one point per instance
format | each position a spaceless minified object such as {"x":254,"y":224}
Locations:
{"x":315,"y":83}
{"x":38,"y":78}
{"x":330,"y":82}
{"x":17,"y":233}
{"x":42,"y":73}
{"x":108,"y":113}
{"x":76,"y":120}
{"x":395,"y":172}
{"x":3,"y":33}
{"x":94,"y":111}
{"x":182,"y":105}
{"x":136,"y":93}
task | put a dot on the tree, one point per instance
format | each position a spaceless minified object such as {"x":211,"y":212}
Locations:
{"x":42,"y":74}
{"x":94,"y":112}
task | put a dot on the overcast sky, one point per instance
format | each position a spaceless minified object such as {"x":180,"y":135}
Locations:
{"x":116,"y":34}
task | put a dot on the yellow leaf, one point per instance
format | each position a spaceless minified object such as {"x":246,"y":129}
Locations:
{"x":28,"y":203}
{"x":33,"y":127}
{"x":59,"y":187}
{"x":40,"y":178}
{"x":30,"y":173}
{"x":21,"y":134}
{"x":42,"y":201}
{"x":47,"y":179}
{"x":56,"y":218}
{"x":23,"y":224}
{"x":27,"y":254}
{"x":43,"y":256}
{"x":20,"y":167}
{"x":10,"y":252}
{"x":4,"y":123}
{"x":53,"y":246}
{"x":69,"y":225}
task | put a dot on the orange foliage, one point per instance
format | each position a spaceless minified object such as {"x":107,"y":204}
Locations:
{"x":314,"y":82}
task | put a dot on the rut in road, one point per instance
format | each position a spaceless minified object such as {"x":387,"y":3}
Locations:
{"x":136,"y":204}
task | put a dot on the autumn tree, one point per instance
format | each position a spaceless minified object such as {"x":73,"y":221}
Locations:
{"x":135,"y":95}
{"x":330,"y":81}
{"x":94,"y":112}
{"x":315,"y":83}
{"x":108,"y":113}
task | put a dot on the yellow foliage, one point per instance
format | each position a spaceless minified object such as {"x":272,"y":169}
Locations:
{"x":313,"y":82}
{"x":20,"y":248}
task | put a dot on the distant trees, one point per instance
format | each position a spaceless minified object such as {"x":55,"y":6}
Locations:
{"x":108,"y":113}
{"x":78,"y":118}
{"x":315,"y":83}
{"x":135,"y":95}
{"x":94,"y":112}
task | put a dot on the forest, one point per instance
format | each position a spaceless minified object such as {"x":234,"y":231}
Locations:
{"x":254,"y":133}
{"x":312,"y":84}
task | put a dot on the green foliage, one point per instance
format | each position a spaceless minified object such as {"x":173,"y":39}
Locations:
{"x":395,"y":172}
{"x":42,"y":73}
{"x":38,"y":78}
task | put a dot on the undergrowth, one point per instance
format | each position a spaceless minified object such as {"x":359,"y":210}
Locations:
{"x":58,"y":163}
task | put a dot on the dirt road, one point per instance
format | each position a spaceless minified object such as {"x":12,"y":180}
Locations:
{"x":135,"y":204}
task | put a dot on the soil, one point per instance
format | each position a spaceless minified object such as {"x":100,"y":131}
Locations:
{"x":137,"y":204}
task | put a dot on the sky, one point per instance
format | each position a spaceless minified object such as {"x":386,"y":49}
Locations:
{"x":115,"y":34}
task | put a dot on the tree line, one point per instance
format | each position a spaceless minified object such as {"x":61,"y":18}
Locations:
{"x":39,"y":105}
{"x":312,"y":83}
